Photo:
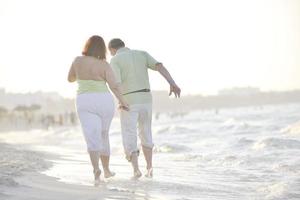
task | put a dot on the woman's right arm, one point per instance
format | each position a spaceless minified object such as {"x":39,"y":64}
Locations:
{"x":115,"y":87}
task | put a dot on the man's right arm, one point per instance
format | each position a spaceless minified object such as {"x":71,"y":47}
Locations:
{"x":165,"y":73}
{"x":157,"y":66}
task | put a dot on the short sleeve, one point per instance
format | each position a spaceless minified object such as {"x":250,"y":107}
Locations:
{"x":151,"y":62}
{"x":116,"y":69}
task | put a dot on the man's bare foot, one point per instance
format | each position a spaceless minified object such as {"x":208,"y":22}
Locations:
{"x":149,"y":173}
{"x":137,"y":174}
{"x":108,"y":174}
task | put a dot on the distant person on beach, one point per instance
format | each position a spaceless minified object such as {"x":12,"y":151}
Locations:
{"x":94,"y":102}
{"x":131,"y":70}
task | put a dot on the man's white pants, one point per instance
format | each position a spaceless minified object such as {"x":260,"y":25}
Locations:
{"x":139,"y":117}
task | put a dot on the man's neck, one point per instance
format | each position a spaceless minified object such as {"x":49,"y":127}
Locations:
{"x":122,"y":49}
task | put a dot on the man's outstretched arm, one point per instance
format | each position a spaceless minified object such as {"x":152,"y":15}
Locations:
{"x":165,"y":73}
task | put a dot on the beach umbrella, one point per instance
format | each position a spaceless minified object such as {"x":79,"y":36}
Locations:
{"x":34,"y":107}
{"x":21,"y":108}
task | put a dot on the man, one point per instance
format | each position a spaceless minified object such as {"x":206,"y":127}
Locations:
{"x":131,"y":70}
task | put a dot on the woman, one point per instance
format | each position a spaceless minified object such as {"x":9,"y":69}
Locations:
{"x":94,"y":103}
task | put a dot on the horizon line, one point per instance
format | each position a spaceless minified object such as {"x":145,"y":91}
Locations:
{"x":188,"y":94}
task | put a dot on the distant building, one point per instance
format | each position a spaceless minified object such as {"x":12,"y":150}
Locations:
{"x":240,"y":91}
{"x":50,"y":102}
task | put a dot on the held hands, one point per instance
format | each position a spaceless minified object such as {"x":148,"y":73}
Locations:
{"x":123,"y":106}
{"x":174,"y":89}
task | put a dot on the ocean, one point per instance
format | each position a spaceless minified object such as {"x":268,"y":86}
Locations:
{"x":233,"y":153}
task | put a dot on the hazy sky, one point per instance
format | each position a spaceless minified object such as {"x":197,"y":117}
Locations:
{"x":206,"y":45}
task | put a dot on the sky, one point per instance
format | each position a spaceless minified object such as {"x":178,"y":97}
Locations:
{"x":206,"y":45}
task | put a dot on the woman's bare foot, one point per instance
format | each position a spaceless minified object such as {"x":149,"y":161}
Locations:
{"x":149,"y":173}
{"x":97,"y":174}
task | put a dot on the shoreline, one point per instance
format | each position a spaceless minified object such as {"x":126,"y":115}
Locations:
{"x":24,"y":179}
{"x":39,"y":186}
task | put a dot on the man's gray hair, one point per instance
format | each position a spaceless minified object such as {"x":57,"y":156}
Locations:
{"x":116,"y":43}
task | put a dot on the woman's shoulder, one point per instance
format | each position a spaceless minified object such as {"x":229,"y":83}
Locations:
{"x":78,"y":59}
{"x":85,"y":59}
{"x":105,"y":64}
{"x":91,"y":61}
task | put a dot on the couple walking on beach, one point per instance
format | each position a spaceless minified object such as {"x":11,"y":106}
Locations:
{"x":127,"y":78}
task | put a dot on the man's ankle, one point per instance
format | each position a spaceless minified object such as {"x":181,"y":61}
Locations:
{"x":106,"y":170}
{"x":136,"y":169}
